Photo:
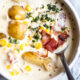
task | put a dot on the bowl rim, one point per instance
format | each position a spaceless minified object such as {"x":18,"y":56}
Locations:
{"x":67,"y":2}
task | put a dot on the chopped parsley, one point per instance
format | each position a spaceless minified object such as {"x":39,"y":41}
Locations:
{"x":37,"y":37}
{"x":45,"y":17}
{"x":29,"y":27}
{"x":33,"y":41}
{"x":42,"y":6}
{"x":33,"y":46}
{"x":63,"y":29}
{"x":35,"y":19}
{"x":29,"y":15}
{"x":53,"y":8}
{"x":47,"y":26}
{"x":18,"y":49}
{"x":14,"y":41}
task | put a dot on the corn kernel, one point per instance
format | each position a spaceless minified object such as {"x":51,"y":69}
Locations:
{"x":21,"y":47}
{"x":25,"y":22}
{"x":17,"y":17}
{"x":8,"y":67}
{"x":28,"y":8}
{"x":53,"y":22}
{"x":3,"y":42}
{"x":45,"y":20}
{"x":28,"y":68}
{"x":4,"y":49}
{"x":47,"y":30}
{"x":12,"y":73}
{"x":35,"y":34}
{"x":9,"y":45}
{"x":16,"y":45}
{"x":30,"y":37}
{"x":17,"y":72}
{"x":27,"y":44}
{"x":41,"y":28}
{"x":15,"y":49}
{"x":38,"y":45}
{"x":67,"y":28}
{"x":51,"y":32}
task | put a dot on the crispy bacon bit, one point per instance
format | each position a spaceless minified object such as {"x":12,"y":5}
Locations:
{"x":45,"y":37}
{"x":62,"y":38}
{"x":62,"y":20}
{"x":51,"y":45}
{"x":42,"y":55}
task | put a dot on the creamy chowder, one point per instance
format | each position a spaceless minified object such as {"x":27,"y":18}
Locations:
{"x":31,"y":32}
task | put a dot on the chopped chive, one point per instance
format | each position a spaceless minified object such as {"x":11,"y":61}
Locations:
{"x":18,"y":49}
{"x":29,"y":14}
{"x":33,"y":41}
{"x":63,"y":29}
{"x":53,"y":8}
{"x":33,"y":46}
{"x":42,"y":6}
{"x":29,"y":27}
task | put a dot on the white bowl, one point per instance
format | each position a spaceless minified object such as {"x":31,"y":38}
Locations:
{"x":76,"y":17}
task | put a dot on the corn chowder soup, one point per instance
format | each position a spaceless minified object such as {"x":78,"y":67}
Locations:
{"x":31,"y":32}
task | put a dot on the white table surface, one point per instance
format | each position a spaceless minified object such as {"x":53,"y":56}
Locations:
{"x":76,"y":68}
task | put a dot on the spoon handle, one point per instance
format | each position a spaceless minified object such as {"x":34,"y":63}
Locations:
{"x":70,"y":77}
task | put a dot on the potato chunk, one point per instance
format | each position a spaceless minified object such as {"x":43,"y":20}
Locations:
{"x":2,"y":35}
{"x":16,"y":30}
{"x":31,"y":57}
{"x":17,"y":13}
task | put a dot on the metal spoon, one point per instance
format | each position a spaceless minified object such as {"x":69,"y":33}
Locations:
{"x":64,"y":62}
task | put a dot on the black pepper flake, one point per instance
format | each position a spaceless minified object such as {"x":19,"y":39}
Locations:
{"x":56,"y":2}
{"x":61,"y":9}
{"x":50,"y":75}
{"x":39,"y":69}
{"x":62,"y":4}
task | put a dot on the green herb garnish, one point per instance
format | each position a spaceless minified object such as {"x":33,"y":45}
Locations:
{"x":33,"y":41}
{"x":33,"y":46}
{"x":45,"y":17}
{"x":14,"y":41}
{"x":46,"y":26}
{"x":63,"y":29}
{"x":42,"y":6}
{"x":18,"y":49}
{"x":29,"y":27}
{"x":35,"y":19}
{"x":53,"y":8}
{"x":29,"y":14}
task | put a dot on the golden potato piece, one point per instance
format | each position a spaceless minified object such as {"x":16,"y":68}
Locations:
{"x":18,"y":0}
{"x":16,"y":30}
{"x":32,"y":58}
{"x":17,"y":13}
{"x":2,"y":35}
{"x":47,"y":63}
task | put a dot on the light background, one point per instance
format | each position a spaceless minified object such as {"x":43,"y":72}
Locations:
{"x":76,"y":68}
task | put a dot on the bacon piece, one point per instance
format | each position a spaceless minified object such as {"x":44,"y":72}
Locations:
{"x":51,"y":45}
{"x":62,"y":20}
{"x":42,"y":54}
{"x":45,"y":37}
{"x":62,"y":38}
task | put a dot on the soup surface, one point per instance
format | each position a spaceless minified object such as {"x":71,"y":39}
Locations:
{"x":31,"y":32}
